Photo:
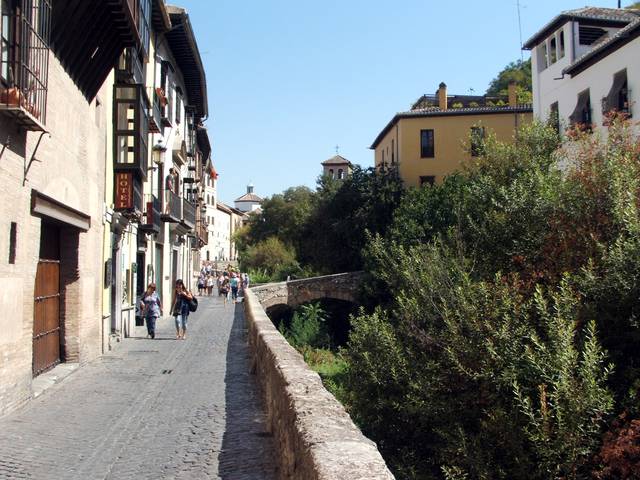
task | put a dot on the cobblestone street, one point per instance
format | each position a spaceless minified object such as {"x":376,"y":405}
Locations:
{"x":153,"y":409}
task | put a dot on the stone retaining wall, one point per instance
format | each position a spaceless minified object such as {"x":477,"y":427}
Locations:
{"x":315,"y":436}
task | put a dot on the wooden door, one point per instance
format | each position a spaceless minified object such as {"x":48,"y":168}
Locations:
{"x":46,"y":317}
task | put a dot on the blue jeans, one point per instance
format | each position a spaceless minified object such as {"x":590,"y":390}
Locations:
{"x":181,"y":322}
{"x":151,"y":325}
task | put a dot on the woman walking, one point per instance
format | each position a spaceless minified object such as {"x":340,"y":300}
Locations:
{"x":224,"y":290}
{"x":151,"y":309}
{"x":209,"y":285}
{"x":234,"y":283}
{"x":180,"y":309}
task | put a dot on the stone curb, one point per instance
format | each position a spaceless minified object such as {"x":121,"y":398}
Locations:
{"x":316,"y":438}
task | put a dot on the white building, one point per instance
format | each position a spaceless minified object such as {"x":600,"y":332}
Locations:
{"x":585,"y":63}
{"x":249,"y":202}
{"x":220,"y":244}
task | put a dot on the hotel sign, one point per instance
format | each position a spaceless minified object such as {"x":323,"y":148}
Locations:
{"x":124,"y":191}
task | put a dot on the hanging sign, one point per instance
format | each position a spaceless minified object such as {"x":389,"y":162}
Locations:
{"x":124,"y":191}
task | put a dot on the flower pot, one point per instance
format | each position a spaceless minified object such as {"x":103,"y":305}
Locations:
{"x":11,"y":96}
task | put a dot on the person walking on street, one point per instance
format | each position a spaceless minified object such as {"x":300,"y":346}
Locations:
{"x":234,"y":284}
{"x":201,"y":284}
{"x":209,"y":285}
{"x":151,"y":309}
{"x":224,"y":290}
{"x":180,"y":309}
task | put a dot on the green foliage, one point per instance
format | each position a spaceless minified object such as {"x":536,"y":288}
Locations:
{"x":506,"y":334}
{"x":442,"y":365}
{"x":308,"y":327}
{"x":518,"y":72}
{"x":272,"y":257}
{"x":328,"y":228}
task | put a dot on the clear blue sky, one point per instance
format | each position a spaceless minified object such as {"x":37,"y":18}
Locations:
{"x":288,"y":80}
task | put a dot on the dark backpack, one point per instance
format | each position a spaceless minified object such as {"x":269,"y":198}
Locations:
{"x":193,"y":304}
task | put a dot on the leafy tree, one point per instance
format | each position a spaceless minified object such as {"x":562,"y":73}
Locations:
{"x":635,"y":5}
{"x":271,"y":255}
{"x":518,"y":72}
{"x":337,"y":232}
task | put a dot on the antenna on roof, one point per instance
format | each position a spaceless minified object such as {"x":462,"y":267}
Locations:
{"x":520,"y":29}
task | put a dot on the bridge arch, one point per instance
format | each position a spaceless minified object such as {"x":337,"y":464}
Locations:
{"x":342,"y":286}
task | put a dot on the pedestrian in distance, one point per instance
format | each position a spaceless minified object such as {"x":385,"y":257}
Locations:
{"x":234,"y":283}
{"x":151,"y":307}
{"x":201,"y":285}
{"x":180,"y":310}
{"x":224,"y":290}
{"x":210,"y":285}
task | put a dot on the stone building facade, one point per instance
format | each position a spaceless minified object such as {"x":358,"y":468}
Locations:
{"x":85,"y":144}
{"x":52,"y":123}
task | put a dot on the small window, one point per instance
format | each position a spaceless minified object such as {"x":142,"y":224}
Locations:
{"x":561,"y":44}
{"x":427,"y":149}
{"x":552,"y":50}
{"x":340,"y":174}
{"x":331,"y":173}
{"x":393,"y":151}
{"x":477,"y":141}
{"x":543,"y":56}
{"x":427,"y":180}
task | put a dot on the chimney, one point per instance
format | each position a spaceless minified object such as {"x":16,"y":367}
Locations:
{"x":442,"y":96}
{"x":513,"y":98}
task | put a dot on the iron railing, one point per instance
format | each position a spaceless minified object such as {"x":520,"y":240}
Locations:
{"x":24,"y":63}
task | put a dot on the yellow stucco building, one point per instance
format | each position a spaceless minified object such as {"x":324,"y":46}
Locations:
{"x":433,"y":139}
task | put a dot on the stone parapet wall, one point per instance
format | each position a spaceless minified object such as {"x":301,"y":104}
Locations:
{"x":317,"y":439}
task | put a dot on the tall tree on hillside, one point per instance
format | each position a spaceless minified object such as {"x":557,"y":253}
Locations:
{"x":518,"y":72}
{"x":635,"y":5}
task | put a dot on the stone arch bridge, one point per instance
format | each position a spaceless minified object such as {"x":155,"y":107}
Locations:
{"x":342,"y":286}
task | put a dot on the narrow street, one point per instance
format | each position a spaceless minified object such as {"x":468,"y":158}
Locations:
{"x":153,"y":409}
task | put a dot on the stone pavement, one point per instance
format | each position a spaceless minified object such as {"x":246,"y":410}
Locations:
{"x":153,"y":409}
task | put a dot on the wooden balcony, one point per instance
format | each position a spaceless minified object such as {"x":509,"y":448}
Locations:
{"x":188,"y":214}
{"x":172,"y":208}
{"x":151,"y":220}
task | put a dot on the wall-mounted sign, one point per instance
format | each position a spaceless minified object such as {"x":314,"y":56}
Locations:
{"x":124,"y":191}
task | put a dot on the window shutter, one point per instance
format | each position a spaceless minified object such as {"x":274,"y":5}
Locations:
{"x":582,"y":105}
{"x":619,"y":81}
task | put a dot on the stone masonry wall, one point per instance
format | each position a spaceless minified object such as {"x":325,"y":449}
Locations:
{"x":317,"y":438}
{"x":70,"y":169}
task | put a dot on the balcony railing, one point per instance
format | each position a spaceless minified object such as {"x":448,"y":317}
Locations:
{"x":24,"y":64}
{"x":151,"y":221}
{"x":172,"y":207}
{"x":188,"y":214}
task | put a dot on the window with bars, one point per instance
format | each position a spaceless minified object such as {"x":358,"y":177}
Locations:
{"x":24,"y":59}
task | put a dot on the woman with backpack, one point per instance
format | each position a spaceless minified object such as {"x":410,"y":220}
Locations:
{"x":182,"y":299}
{"x":151,"y":307}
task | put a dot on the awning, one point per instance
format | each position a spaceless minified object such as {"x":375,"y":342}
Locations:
{"x":582,"y":112}
{"x":619,"y":82}
{"x":46,"y":206}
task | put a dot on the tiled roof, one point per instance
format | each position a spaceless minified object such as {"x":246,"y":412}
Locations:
{"x":607,"y":15}
{"x":615,"y":41}
{"x":249,"y":197}
{"x":436,"y":112}
{"x":337,"y":160}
